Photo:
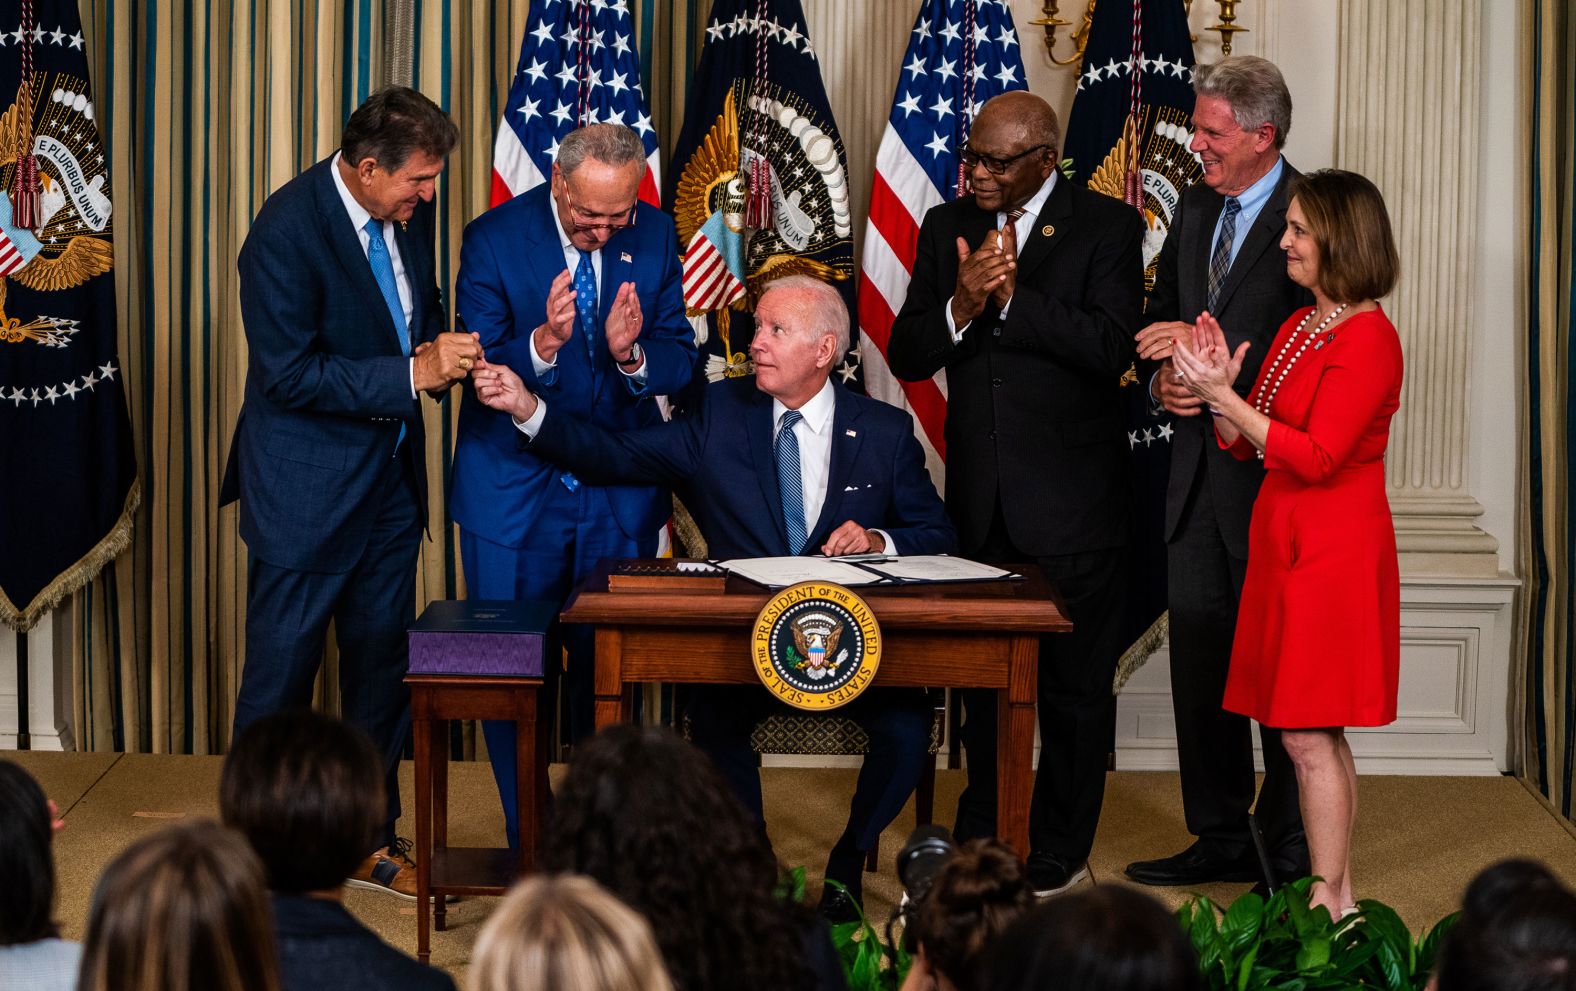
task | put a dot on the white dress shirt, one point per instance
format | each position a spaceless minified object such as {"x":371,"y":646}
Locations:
{"x":358,"y":219}
{"x":572,"y":262}
{"x":1024,"y":229}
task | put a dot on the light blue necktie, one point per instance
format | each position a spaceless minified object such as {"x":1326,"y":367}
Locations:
{"x":383,"y":274}
{"x":789,"y":481}
{"x":585,"y":302}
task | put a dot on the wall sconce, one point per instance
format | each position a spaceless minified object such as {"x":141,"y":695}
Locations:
{"x":1226,"y":28}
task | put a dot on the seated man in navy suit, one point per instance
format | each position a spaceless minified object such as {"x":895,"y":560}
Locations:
{"x":790,"y":464}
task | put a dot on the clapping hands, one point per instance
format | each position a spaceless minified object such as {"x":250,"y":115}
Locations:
{"x":1206,"y":365}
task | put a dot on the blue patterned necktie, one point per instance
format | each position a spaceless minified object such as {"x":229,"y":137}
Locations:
{"x":789,"y":481}
{"x":585,"y":301}
{"x":1220,"y":261}
{"x":383,"y":274}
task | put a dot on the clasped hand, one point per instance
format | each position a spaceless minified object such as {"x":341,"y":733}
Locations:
{"x":990,"y":272}
{"x":444,"y":360}
{"x":1207,"y":366}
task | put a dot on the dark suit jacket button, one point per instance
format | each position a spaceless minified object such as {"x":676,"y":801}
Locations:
{"x":993,"y":435}
{"x":996,"y":382}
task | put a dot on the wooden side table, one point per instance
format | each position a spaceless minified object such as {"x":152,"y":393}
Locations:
{"x":442,"y":870}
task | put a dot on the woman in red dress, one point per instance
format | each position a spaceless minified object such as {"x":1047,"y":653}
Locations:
{"x":1318,"y":640}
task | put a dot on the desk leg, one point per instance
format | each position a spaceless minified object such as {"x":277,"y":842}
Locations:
{"x":438,"y":747}
{"x":423,"y":741}
{"x":525,"y":789}
{"x":1015,"y":742}
{"x":609,"y":678}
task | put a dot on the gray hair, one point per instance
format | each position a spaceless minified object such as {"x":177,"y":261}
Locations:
{"x":827,"y":312}
{"x":611,"y":144}
{"x":1255,"y":89}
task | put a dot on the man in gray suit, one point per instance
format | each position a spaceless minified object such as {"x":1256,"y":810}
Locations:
{"x":1222,"y":255}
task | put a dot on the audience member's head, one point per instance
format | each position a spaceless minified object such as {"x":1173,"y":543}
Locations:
{"x":566,"y":933}
{"x":646,"y":815}
{"x":306,"y":791}
{"x":1109,"y":938}
{"x":184,"y":909}
{"x":27,"y":871}
{"x":977,"y":894}
{"x":1517,"y":932}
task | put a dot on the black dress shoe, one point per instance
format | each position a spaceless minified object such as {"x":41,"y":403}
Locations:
{"x":1198,"y":864}
{"x":837,"y":907}
{"x":1049,"y":876}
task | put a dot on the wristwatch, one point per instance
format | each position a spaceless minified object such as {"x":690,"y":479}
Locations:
{"x":634,"y":357}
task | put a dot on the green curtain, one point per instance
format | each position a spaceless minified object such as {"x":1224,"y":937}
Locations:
{"x":1546,"y":724}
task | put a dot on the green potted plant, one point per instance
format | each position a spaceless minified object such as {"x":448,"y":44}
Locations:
{"x":1286,"y":943}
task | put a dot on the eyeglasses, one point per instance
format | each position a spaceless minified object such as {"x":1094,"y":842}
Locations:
{"x":584,"y":223}
{"x":994,"y":165}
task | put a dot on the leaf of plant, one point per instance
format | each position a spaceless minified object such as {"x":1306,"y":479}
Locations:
{"x":1314,"y":955}
{"x":1243,"y":921}
{"x":790,"y":887}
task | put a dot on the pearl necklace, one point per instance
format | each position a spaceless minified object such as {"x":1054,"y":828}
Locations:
{"x":1270,"y":384}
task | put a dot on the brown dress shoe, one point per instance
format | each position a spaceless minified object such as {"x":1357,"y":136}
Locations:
{"x":389,"y":870}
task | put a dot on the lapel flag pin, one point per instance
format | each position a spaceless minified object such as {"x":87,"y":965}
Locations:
{"x":623,"y":256}
{"x":1048,"y":230}
{"x":851,"y":433}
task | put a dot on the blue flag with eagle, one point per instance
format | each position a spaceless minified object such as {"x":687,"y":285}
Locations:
{"x":759,"y":183}
{"x":65,"y":440}
{"x":1127,"y":137}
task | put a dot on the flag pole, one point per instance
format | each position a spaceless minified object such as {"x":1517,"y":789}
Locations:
{"x":23,"y":741}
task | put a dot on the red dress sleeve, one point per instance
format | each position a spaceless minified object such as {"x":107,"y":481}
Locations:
{"x":1357,"y":382}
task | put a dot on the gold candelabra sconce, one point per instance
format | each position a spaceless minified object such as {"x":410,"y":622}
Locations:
{"x":1050,"y":20}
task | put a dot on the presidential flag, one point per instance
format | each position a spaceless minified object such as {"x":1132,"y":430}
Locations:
{"x":760,"y":181}
{"x":1127,"y":136}
{"x":578,"y":65}
{"x":960,"y":54}
{"x":69,"y":484}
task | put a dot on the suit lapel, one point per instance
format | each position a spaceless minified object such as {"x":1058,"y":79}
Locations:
{"x":1193,"y":265}
{"x":1054,"y":217}
{"x":845,"y":452}
{"x":1263,"y":235}
{"x":346,"y":245}
{"x":758,"y":427}
{"x":617,"y":262}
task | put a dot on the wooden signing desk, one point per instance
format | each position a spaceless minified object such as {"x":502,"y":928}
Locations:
{"x":974,"y":635}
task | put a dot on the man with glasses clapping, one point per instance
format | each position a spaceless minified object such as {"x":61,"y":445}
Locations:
{"x":576,"y":285}
{"x":1024,"y":293}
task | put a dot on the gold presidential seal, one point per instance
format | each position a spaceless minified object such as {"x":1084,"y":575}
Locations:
{"x":816,"y":646}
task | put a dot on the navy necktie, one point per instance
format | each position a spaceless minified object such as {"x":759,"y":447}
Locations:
{"x":585,"y":302}
{"x":1220,"y":261}
{"x":789,"y":481}
{"x":383,"y":275}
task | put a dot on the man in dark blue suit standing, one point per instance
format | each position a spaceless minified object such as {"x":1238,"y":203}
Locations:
{"x":576,"y":284}
{"x":790,"y":464}
{"x":344,"y":325}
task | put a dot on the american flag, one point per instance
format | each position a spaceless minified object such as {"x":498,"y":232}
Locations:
{"x":961,"y":53}
{"x":578,"y":65}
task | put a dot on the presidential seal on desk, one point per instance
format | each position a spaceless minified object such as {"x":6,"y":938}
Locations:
{"x":816,"y":646}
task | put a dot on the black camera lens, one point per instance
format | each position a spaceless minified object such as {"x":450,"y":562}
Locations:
{"x":921,"y":859}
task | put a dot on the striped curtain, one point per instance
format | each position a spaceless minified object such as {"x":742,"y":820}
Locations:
{"x":1546,"y":677}
{"x":207,"y":108}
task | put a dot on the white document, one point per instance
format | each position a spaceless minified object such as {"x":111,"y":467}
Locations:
{"x":780,"y":572}
{"x":863,"y":569}
{"x":938,"y":568}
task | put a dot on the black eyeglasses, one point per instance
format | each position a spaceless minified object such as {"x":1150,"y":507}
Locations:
{"x":994,"y":165}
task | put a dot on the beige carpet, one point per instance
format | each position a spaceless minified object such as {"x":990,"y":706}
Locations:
{"x":1419,"y":840}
